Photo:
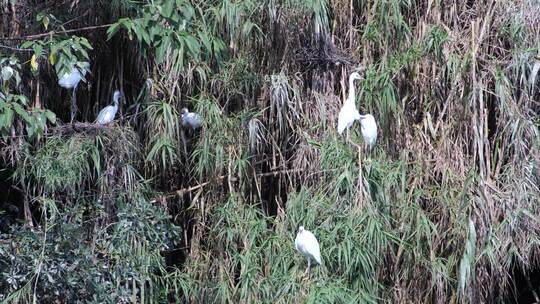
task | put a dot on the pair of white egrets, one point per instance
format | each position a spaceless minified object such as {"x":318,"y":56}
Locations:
{"x":106,"y":115}
{"x":71,"y":81}
{"x":349,"y":113}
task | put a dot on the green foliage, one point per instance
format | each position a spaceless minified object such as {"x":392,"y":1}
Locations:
{"x":62,"y":53}
{"x":60,"y":165}
{"x":15,"y":106}
{"x":122,"y":263}
{"x":163,"y":146}
{"x":467,"y":264}
{"x":165,"y":25}
{"x":442,"y":210}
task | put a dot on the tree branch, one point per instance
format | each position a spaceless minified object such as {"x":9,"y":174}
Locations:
{"x":15,"y":48}
{"x":181,"y":192}
{"x":51,"y":33}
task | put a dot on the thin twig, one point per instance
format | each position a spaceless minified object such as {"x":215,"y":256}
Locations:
{"x":51,"y":33}
{"x":15,"y":48}
{"x":181,"y":192}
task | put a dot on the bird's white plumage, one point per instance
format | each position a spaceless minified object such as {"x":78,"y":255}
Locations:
{"x":191,"y":120}
{"x":306,"y":243}
{"x":106,"y":115}
{"x":71,"y":80}
{"x":369,"y":129}
{"x":348,"y":113}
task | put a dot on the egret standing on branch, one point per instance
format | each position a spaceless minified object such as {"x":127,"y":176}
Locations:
{"x":107,"y":114}
{"x":348,"y":113}
{"x":71,"y":81}
{"x":306,"y":243}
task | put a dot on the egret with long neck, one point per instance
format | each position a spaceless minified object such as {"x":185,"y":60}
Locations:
{"x":107,"y":114}
{"x":348,"y":113}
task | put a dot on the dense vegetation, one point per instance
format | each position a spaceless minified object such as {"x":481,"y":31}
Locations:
{"x":446,"y":209}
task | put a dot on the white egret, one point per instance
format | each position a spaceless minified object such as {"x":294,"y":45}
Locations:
{"x":348,"y":113}
{"x":71,"y":81}
{"x":107,"y":114}
{"x":191,"y":120}
{"x":369,"y":130}
{"x":306,"y":243}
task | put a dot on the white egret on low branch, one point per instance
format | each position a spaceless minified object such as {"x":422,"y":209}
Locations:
{"x":71,"y":81}
{"x":191,"y":120}
{"x":107,"y":114}
{"x":369,"y":130}
{"x":306,"y":243}
{"x":348,"y":113}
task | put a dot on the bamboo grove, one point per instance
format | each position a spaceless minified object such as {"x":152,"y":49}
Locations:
{"x":445,"y":210}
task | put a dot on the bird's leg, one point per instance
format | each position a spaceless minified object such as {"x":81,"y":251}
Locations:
{"x":308,"y":264}
{"x":359,"y":159}
{"x":369,"y":150}
{"x":360,"y":180}
{"x":73,"y":104}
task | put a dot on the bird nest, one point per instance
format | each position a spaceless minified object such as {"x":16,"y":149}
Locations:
{"x":118,"y":144}
{"x":323,"y":55}
{"x":90,"y":129}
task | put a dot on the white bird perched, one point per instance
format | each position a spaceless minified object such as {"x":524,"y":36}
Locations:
{"x":71,"y":81}
{"x":306,"y":243}
{"x":106,"y":115}
{"x":369,"y":130}
{"x":191,"y":120}
{"x":348,"y":113}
